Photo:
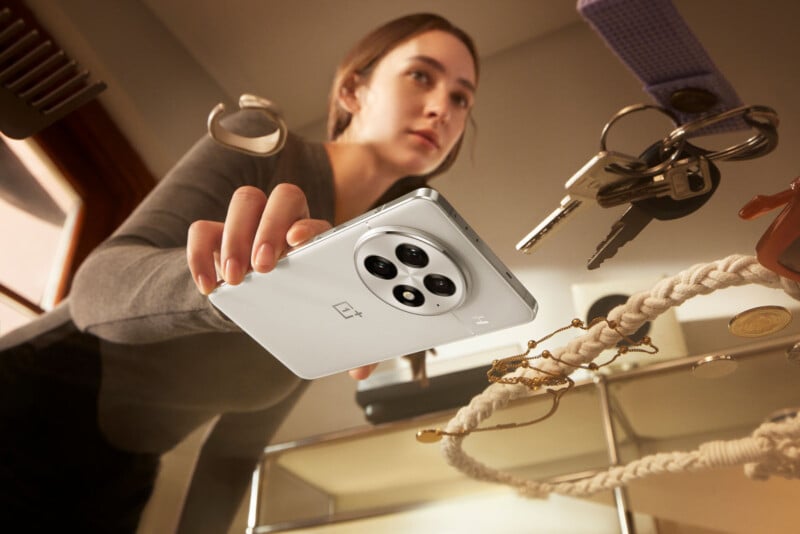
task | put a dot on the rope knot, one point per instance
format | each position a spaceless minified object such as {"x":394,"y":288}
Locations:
{"x":780,"y":445}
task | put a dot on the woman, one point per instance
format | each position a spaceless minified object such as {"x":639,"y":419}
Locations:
{"x":138,"y":358}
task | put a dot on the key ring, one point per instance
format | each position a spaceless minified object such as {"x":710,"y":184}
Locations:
{"x":762,"y":118}
{"x":676,"y":146}
{"x":265,"y":145}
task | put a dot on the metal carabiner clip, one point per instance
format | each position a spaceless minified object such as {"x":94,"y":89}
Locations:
{"x":265,"y":145}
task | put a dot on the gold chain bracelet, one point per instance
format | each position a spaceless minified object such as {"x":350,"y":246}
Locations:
{"x":556,"y":384}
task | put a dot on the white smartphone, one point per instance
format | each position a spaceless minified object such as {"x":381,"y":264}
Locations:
{"x":404,"y":277}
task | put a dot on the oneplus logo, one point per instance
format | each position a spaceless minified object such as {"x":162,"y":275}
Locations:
{"x":346,"y":310}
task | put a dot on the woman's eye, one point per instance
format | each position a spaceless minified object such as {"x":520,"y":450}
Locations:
{"x":461,"y":100}
{"x":420,"y":76}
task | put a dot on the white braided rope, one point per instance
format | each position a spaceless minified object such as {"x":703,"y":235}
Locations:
{"x":772,"y":449}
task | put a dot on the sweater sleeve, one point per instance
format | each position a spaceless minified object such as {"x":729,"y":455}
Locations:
{"x":136,"y":287}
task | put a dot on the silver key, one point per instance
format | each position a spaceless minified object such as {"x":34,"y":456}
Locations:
{"x":567,"y":206}
{"x":686,"y":178}
{"x":632,"y":222}
{"x":598,"y":173}
{"x":582,"y":186}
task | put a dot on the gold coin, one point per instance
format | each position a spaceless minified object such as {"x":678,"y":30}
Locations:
{"x":715,"y":366}
{"x":760,"y":321}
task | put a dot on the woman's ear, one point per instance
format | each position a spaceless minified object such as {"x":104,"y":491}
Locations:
{"x":349,"y":93}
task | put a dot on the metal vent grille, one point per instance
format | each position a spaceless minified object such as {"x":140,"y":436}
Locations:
{"x":39,"y":84}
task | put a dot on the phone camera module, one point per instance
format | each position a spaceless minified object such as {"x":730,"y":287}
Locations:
{"x":410,"y":271}
{"x":411,"y":255}
{"x":380,"y":267}
{"x":439,"y":285}
{"x":409,"y":295}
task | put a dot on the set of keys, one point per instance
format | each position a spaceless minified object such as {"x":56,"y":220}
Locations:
{"x":671,"y":179}
{"x":663,"y":196}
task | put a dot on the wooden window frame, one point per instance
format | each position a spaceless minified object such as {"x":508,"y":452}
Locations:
{"x":108,"y":175}
{"x":98,"y":161}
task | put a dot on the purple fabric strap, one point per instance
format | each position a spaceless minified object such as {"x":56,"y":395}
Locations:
{"x":653,"y":41}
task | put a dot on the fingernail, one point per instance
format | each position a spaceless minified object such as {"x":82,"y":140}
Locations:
{"x":231,"y":270}
{"x":293,"y":239}
{"x":204,"y":284}
{"x":264,"y":257}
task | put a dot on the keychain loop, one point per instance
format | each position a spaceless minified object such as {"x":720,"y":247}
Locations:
{"x":676,"y":147}
{"x":762,"y":118}
{"x":265,"y":145}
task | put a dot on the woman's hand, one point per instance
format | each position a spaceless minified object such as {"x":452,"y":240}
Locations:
{"x":360,"y":373}
{"x":257,"y":231}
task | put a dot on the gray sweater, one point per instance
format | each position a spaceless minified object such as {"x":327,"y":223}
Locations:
{"x":170,"y":361}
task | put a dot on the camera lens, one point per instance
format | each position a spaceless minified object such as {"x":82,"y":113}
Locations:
{"x":408,"y":295}
{"x":439,"y":285}
{"x":411,"y":255}
{"x":380,"y":267}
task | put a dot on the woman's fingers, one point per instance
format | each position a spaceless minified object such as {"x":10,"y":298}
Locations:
{"x":241,"y":223}
{"x":286,"y":206}
{"x":360,"y":373}
{"x":257,"y":231}
{"x":305,"y":229}
{"x":203,"y":243}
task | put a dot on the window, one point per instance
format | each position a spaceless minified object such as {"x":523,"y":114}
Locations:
{"x":40,"y":214}
{"x":63,"y":190}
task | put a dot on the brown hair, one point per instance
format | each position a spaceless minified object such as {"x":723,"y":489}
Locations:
{"x":366,"y":54}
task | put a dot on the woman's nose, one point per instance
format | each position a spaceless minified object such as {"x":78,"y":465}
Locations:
{"x":438,"y":105}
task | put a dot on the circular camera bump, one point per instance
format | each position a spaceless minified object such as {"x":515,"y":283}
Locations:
{"x":409,"y":270}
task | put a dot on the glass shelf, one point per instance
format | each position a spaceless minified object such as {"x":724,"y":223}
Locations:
{"x":374,"y":470}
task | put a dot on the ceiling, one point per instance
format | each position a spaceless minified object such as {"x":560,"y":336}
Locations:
{"x":259,"y":46}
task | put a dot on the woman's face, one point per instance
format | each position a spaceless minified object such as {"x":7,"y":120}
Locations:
{"x":413,"y":107}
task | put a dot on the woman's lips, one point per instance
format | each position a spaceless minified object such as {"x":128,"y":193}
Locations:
{"x":429,"y":136}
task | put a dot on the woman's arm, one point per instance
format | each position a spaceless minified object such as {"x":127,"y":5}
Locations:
{"x":136,"y":287}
